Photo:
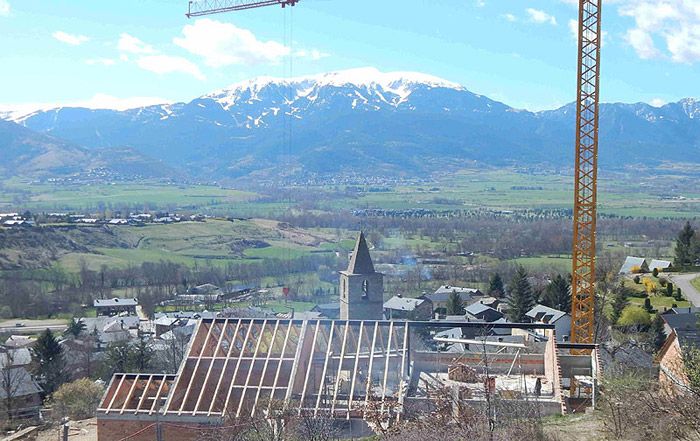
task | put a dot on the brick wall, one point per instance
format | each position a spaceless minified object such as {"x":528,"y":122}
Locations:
{"x":116,"y":430}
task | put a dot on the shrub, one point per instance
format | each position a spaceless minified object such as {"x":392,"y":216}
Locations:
{"x":637,"y":280}
{"x":655,"y":272}
{"x":679,"y":294}
{"x":77,"y":400}
{"x":669,"y":289}
{"x":663,"y":282}
{"x":647,"y":305}
{"x":634,"y":316}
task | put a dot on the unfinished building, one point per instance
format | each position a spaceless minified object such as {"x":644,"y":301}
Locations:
{"x":235,"y":368}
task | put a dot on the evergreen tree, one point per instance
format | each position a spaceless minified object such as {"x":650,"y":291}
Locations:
{"x":118,"y":357}
{"x":142,"y":356}
{"x":685,"y":247}
{"x":455,"y":306}
{"x":521,"y":298}
{"x":657,"y":327}
{"x":50,"y":363}
{"x":557,"y":294}
{"x":647,"y":305}
{"x":619,"y":302}
{"x":75,"y":328}
{"x":669,"y":289}
{"x":496,"y":286}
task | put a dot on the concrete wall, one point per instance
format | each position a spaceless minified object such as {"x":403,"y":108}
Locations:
{"x":532,"y":364}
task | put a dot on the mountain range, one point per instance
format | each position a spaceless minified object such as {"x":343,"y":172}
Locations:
{"x":354,"y":121}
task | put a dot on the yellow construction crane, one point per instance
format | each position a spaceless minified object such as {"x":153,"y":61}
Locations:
{"x":585,"y":184}
{"x":208,"y":7}
{"x":586,"y":165}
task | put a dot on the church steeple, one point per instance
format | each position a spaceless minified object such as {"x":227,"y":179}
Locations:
{"x":361,"y":261}
{"x":361,"y":287}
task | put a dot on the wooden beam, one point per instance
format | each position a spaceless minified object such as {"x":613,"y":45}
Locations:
{"x":211,"y":365}
{"x":340,"y":367}
{"x":354,"y":371}
{"x":128,"y":396}
{"x":402,"y":382}
{"x":235,"y":370}
{"x":295,"y":364}
{"x":223,"y":370}
{"x":369,"y":370}
{"x":308,"y":367}
{"x":250,"y":369}
{"x":325,"y":367}
{"x":386,"y":365}
{"x":279,"y":366}
{"x":196,"y":367}
{"x":479,"y":342}
{"x":157,"y":397}
{"x":267,"y":361}
{"x":116,"y":392}
{"x":143,"y":395}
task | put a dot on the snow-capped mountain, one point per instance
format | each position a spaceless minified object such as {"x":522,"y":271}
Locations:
{"x":369,"y":121}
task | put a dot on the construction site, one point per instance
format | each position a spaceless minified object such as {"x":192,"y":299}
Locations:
{"x":360,"y":370}
{"x":344,"y":370}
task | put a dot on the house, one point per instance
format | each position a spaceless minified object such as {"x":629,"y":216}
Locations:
{"x":20,"y":341}
{"x":109,"y":307}
{"x":560,"y":319}
{"x":403,"y":308}
{"x":478,"y":312}
{"x":24,"y":392}
{"x":661,"y":265}
{"x":442,"y":294}
{"x":328,"y":310}
{"x":634,"y":265}
{"x":680,"y":320}
{"x":670,"y":357}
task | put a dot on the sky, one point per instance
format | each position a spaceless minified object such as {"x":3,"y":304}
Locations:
{"x":127,"y":53}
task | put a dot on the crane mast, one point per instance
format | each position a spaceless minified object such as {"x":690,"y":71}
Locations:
{"x":208,"y":7}
{"x":586,"y":169}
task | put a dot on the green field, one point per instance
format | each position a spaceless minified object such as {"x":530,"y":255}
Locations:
{"x":215,"y":241}
{"x":696,"y":283}
{"x":506,"y":189}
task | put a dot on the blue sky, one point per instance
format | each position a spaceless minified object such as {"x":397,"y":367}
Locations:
{"x":522,"y":52}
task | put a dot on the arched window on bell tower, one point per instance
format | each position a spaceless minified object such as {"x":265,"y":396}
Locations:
{"x":365,"y":289}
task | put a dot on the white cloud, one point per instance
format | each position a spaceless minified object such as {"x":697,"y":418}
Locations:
{"x":510,"y":17}
{"x":312,"y":54}
{"x":101,"y":61}
{"x":163,"y":64}
{"x":132,"y":45}
{"x":642,"y":43}
{"x":148,"y":58}
{"x":673,"y":22}
{"x":223,"y":44}
{"x":657,"y":102}
{"x":71,"y":39}
{"x":4,"y":8}
{"x":541,"y":17}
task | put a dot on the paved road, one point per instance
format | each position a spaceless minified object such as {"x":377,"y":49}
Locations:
{"x":31,"y":326}
{"x":682,"y":281}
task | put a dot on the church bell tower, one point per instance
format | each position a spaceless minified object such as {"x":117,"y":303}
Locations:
{"x":361,"y":287}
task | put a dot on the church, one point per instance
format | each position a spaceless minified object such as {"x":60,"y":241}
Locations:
{"x":361,"y":287}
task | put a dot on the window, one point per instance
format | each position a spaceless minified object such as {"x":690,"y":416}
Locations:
{"x":365,"y":288}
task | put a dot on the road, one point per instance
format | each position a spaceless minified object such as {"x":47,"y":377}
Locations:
{"x":682,"y":281}
{"x":31,"y":326}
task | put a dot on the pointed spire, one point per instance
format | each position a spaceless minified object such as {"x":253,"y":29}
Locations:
{"x":361,"y":262}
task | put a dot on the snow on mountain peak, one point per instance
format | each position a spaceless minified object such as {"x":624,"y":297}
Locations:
{"x":370,"y":78}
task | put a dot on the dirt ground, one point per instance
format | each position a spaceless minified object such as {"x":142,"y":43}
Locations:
{"x":85,"y":430}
